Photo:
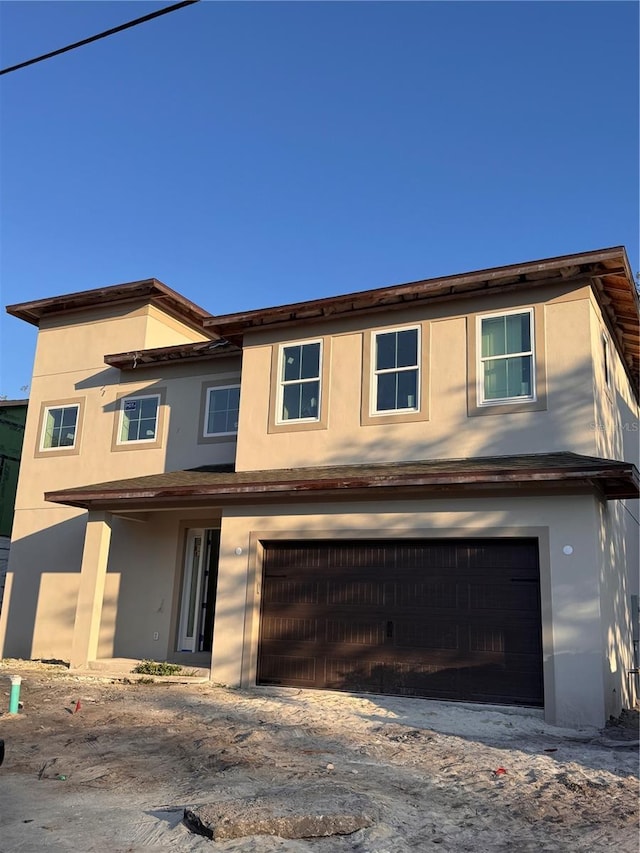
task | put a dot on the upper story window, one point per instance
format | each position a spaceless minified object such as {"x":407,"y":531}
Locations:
{"x":606,"y":361}
{"x":139,"y":419}
{"x":506,"y":358}
{"x":299,"y":389}
{"x":396,"y":371}
{"x":59,"y":427}
{"x":221,"y":411}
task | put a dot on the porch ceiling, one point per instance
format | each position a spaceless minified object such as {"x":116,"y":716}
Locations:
{"x":220,"y":485}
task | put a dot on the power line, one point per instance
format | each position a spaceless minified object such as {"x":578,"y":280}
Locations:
{"x":103,"y":35}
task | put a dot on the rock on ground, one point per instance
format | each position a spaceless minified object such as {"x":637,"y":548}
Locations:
{"x":302,"y":812}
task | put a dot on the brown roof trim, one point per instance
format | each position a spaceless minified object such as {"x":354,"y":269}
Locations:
{"x":150,"y":290}
{"x":607,"y":270}
{"x":608,"y":478}
{"x":200,"y":351}
{"x":455,"y":286}
{"x":6,"y":403}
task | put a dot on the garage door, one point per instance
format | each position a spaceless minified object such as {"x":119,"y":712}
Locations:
{"x":449,"y":619}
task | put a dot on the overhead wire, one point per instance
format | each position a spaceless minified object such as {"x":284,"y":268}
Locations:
{"x":102,"y":35}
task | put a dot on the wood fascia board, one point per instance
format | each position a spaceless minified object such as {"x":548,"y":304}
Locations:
{"x":535,"y":269}
{"x":145,"y":291}
{"x":238,"y":331}
{"x":329,"y":486}
{"x":626,"y":336}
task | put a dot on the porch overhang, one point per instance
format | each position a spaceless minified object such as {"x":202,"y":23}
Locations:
{"x":549,"y":473}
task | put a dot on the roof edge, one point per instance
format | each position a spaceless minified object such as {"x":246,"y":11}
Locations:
{"x":195,"y":351}
{"x":244,"y":318}
{"x":583,"y":472}
{"x":150,"y":289}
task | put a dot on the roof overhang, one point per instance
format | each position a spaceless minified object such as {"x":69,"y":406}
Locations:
{"x":148,"y":290}
{"x":543,"y":473}
{"x":607,"y":270}
{"x":200,"y":351}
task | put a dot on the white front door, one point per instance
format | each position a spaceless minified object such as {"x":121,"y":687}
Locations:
{"x":191,"y":609}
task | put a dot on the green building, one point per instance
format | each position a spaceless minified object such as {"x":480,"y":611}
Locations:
{"x":13,"y":414}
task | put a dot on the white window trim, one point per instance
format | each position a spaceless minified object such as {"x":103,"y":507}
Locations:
{"x":63,"y":447}
{"x":123,"y":400}
{"x":206,"y":411}
{"x":279,"y":420}
{"x":373,"y":394}
{"x":480,"y":360}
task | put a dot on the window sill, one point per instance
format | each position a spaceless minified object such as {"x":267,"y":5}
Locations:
{"x":504,"y":408}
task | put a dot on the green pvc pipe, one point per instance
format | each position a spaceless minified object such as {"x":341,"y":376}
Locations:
{"x":14,"y":699}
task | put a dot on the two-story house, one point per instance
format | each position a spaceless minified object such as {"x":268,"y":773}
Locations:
{"x":427,"y":489}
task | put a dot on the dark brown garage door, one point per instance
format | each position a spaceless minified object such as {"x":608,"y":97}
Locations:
{"x":449,"y":619}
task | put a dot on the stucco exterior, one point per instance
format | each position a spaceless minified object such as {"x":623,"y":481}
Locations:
{"x":574,"y":669}
{"x":110,"y":583}
{"x":449,"y":431}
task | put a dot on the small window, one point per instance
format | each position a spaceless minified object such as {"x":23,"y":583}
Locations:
{"x":606,"y":366}
{"x":506,"y":358}
{"x":221,"y":414}
{"x":299,"y":372}
{"x":138,"y":419}
{"x":59,"y":427}
{"x":396,"y":371}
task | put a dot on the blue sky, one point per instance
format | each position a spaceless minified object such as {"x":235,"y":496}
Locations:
{"x":249,"y":154}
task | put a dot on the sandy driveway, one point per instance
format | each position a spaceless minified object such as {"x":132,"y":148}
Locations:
{"x":135,"y":755}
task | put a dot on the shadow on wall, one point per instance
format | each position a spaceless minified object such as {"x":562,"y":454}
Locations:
{"x":46,"y":589}
{"x":567,"y":425}
{"x":616,"y":565}
{"x":182,"y":408}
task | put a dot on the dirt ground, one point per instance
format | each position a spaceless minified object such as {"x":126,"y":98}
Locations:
{"x":116,"y":774}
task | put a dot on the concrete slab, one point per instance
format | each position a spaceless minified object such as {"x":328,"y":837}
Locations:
{"x":309,"y":811}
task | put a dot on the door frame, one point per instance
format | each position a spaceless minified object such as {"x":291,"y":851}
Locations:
{"x":191,"y":591}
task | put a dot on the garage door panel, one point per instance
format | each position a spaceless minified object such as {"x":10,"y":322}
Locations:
{"x":286,"y":591}
{"x":356,"y":592}
{"x":457,"y":619}
{"x":282,"y":669}
{"x":432,"y":594}
{"x":354,"y":675}
{"x":290,"y":629}
{"x":426,"y":634}
{"x":369,"y":633}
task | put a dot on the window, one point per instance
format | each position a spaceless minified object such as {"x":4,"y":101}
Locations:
{"x":299,"y":382}
{"x":221,"y":414}
{"x":606,"y":366}
{"x":59,"y":427}
{"x":506,"y":358}
{"x":396,"y":371}
{"x":138,"y":419}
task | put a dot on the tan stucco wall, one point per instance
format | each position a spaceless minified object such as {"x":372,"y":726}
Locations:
{"x":141,"y":590}
{"x":82,"y":339}
{"x":570,"y":585}
{"x":40,"y":600}
{"x":618,"y":557}
{"x":39,"y":607}
{"x":616,"y":427}
{"x":449,"y":431}
{"x":164,"y":331}
{"x":616,"y":412}
{"x":143,"y":584}
{"x":97,"y":461}
{"x":583,"y":684}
